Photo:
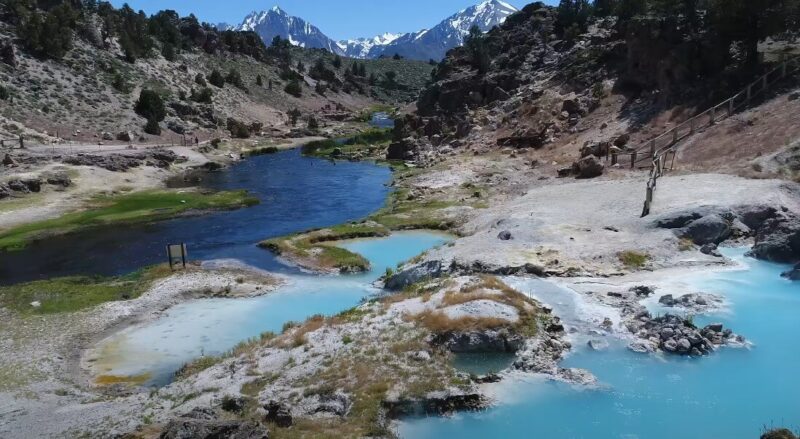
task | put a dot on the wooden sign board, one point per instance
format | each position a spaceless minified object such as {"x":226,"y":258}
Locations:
{"x":176,"y":254}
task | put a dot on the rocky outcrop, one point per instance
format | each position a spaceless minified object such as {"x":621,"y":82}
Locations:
{"x":124,"y":162}
{"x":676,"y":335}
{"x":793,"y":274}
{"x":25,"y":186}
{"x":59,"y":179}
{"x":588,"y":167}
{"x":435,"y":404}
{"x":414,"y":274}
{"x":776,"y":230}
{"x":8,"y":54}
{"x":778,"y":240}
{"x":278,"y":414}
{"x":710,"y":229}
{"x":203,"y":424}
{"x":693,"y":302}
{"x":479,"y":341}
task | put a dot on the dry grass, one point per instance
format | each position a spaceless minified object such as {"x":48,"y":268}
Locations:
{"x":108,"y":380}
{"x":485,"y":288}
{"x":437,"y":321}
{"x":633,"y":259}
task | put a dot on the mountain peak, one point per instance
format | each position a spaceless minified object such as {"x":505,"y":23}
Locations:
{"x":277,"y":9}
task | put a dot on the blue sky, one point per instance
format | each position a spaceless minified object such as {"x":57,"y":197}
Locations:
{"x":339,"y":19}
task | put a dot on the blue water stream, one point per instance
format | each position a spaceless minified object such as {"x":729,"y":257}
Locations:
{"x":730,"y":394}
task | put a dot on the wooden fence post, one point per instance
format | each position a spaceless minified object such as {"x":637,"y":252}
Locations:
{"x":675,"y":135}
{"x":730,"y":107}
{"x":713,"y":116}
{"x":653,"y":148}
{"x":21,"y":142}
{"x":764,"y":84}
{"x":691,"y":126}
{"x":613,"y":159}
{"x":633,"y":159}
{"x":749,"y":92}
{"x":783,"y":69}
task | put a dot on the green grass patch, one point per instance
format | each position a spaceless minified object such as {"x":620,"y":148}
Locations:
{"x":364,"y":144}
{"x":404,"y":213}
{"x":633,"y":259}
{"x":70,"y":294}
{"x":128,"y":208}
{"x":314,"y":249}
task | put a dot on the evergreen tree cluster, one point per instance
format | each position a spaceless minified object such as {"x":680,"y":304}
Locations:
{"x":47,"y":28}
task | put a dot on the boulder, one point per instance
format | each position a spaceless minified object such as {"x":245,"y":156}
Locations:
{"x":588,"y":167}
{"x":754,"y":216}
{"x":124,"y":136}
{"x":208,"y":428}
{"x":793,"y":274}
{"x":414,"y":274}
{"x":597,"y":345}
{"x":622,"y":140}
{"x":59,"y":179}
{"x":778,"y":240}
{"x":8,"y":161}
{"x":667,"y":300}
{"x":26,"y":185}
{"x":278,"y":414}
{"x":107,"y":136}
{"x":505,"y":235}
{"x":479,"y":341}
{"x":5,"y":191}
{"x":710,"y":229}
{"x":8,"y":54}
{"x":711,"y":250}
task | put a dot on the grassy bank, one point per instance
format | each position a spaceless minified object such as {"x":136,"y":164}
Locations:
{"x":129,"y":208}
{"x":315,"y":250}
{"x":69,"y":294}
{"x":366,"y":144}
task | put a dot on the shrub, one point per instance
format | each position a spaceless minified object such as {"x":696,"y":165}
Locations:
{"x":150,"y":106}
{"x":4,"y":94}
{"x":259,"y":81}
{"x":120,"y":84}
{"x":238,"y":129}
{"x":215,"y":142}
{"x":633,"y":259}
{"x":312,"y":123}
{"x":293,"y":116}
{"x":200,"y":79}
{"x":168,"y":52}
{"x":203,"y":95}
{"x":152,"y":127}
{"x":337,"y":62}
{"x":235,"y":78}
{"x":293,"y":88}
{"x":216,"y":79}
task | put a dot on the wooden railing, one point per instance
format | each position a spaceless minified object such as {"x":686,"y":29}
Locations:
{"x":660,"y":151}
{"x":12,"y":142}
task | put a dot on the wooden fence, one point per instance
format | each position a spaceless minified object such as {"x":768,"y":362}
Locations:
{"x":659,"y":152}
{"x":12,"y":142}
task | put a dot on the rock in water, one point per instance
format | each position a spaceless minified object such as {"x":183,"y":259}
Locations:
{"x":778,"y":240}
{"x":598,"y":345}
{"x":793,"y":274}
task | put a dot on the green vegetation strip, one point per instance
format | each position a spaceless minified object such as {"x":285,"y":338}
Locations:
{"x":136,"y":207}
{"x":313,"y":249}
{"x":69,"y":294}
{"x":367,"y":142}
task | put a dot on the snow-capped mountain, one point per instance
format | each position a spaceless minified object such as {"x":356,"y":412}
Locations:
{"x":276,"y":22}
{"x":426,"y":44}
{"x":367,"y":47}
{"x":434,"y":43}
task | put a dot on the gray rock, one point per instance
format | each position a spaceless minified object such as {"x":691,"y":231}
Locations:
{"x":642,"y":347}
{"x":26,"y":185}
{"x":8,"y":161}
{"x":479,"y":341}
{"x":124,"y":136}
{"x":667,"y":300}
{"x":588,"y":167}
{"x":505,"y":235}
{"x":59,"y":179}
{"x":598,"y":345}
{"x":278,"y":414}
{"x":793,"y":274}
{"x":710,"y":229}
{"x":778,"y":240}
{"x":684,"y":345}
{"x":754,"y":216}
{"x":670,"y":345}
{"x":711,"y":250}
{"x":188,"y":428}
{"x":414,"y":274}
